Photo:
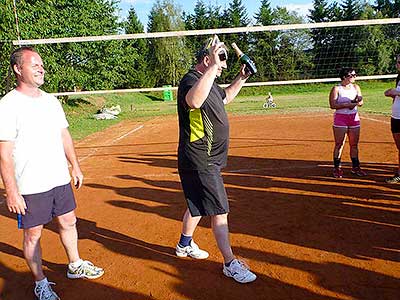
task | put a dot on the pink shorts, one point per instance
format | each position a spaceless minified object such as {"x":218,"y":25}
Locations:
{"x":346,"y":120}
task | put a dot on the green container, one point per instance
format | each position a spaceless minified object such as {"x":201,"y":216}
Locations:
{"x":167,"y":93}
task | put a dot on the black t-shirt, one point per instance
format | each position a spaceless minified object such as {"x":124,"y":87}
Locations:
{"x":203,"y":132}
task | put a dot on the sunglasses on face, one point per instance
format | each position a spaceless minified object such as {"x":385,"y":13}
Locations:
{"x":223,"y":55}
{"x":351,"y":75}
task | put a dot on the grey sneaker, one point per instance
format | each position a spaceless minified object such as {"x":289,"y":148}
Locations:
{"x":394,"y":179}
{"x":44,"y":291}
{"x":85,"y":270}
{"x":192,"y":250}
{"x":239,"y":271}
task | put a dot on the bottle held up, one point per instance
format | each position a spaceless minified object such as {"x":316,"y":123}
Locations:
{"x":245,"y":59}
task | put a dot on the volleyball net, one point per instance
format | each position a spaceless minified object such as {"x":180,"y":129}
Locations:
{"x":284,"y":54}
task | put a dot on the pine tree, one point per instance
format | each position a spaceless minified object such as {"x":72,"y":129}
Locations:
{"x":235,"y":16}
{"x":263,"y":44}
{"x":136,"y":73}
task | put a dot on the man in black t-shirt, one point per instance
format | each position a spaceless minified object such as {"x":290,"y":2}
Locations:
{"x":203,"y":151}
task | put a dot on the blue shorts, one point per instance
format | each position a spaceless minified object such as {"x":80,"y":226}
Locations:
{"x":43,"y":207}
{"x":204,"y":191}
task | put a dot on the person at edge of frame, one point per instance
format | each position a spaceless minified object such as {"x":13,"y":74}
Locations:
{"x":345,"y":98}
{"x":202,"y":152}
{"x":394,"y":93}
{"x":35,"y":147}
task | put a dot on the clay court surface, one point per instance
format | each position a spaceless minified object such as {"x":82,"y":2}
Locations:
{"x":305,"y":234}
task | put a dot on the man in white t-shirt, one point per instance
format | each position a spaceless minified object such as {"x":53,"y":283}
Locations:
{"x":35,"y":147}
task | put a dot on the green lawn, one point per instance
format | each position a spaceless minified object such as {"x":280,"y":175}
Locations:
{"x":289,"y":99}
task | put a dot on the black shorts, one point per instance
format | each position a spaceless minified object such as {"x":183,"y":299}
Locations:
{"x":204,"y":191}
{"x":43,"y":207}
{"x":395,"y":125}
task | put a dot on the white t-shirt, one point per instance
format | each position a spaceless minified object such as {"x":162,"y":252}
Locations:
{"x":396,"y":104}
{"x":345,"y":96}
{"x":34,"y":125}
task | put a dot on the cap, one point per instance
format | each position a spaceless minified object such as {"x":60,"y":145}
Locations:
{"x":205,"y":49}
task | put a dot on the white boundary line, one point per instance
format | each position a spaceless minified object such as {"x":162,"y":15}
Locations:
{"x":112,"y":142}
{"x":375,"y":120}
{"x":128,"y":133}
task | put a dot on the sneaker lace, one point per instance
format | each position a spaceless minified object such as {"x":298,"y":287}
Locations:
{"x":243,"y":264}
{"x":87,"y":267}
{"x":45,"y":291}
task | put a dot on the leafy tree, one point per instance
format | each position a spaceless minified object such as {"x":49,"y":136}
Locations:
{"x":263,"y":45}
{"x":373,"y":48}
{"x":292,"y":60}
{"x":136,"y":71}
{"x":351,"y":10}
{"x":386,"y":8}
{"x":204,"y":17}
{"x":7,"y":34}
{"x":235,"y":16}
{"x":73,"y":65}
{"x":168,"y":57}
{"x":321,"y":37}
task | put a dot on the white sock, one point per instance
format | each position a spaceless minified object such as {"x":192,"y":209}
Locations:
{"x":76,"y":264}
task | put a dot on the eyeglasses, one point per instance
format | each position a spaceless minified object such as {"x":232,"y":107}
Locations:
{"x":351,"y":75}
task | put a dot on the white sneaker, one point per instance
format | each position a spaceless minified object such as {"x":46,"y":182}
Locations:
{"x":44,"y":291}
{"x":192,"y":250}
{"x":239,"y":271}
{"x":85,"y":270}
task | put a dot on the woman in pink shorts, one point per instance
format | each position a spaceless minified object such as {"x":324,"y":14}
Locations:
{"x":345,"y":99}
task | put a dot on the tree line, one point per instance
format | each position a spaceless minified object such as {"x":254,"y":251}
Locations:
{"x":119,"y":64}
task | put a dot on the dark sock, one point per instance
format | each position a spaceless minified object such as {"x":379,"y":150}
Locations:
{"x":355,"y":162}
{"x":336,"y":162}
{"x":228,"y":264}
{"x":185,"y":240}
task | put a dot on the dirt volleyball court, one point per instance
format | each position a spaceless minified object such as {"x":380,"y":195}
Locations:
{"x":305,"y":234}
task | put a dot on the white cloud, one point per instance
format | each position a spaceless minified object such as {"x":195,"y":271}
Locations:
{"x":301,"y":9}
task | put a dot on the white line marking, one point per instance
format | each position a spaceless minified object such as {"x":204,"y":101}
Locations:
{"x":126,"y":134}
{"x":376,"y":120}
{"x":112,"y":142}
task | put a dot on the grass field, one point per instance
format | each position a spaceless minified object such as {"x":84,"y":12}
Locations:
{"x":289,"y":99}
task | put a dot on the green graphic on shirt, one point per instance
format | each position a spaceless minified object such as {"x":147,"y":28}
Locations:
{"x":210,"y":133}
{"x":196,"y":125}
{"x":200,"y":128}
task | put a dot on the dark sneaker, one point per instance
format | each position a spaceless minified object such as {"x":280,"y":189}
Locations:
{"x":394,"y":179}
{"x":337,"y":172}
{"x":357,"y":171}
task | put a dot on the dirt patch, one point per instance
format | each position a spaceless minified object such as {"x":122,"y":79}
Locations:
{"x":305,"y":234}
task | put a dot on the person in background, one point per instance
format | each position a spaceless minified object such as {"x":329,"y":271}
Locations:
{"x":203,"y":151}
{"x":35,"y":147}
{"x":394,"y":94}
{"x":345,"y":98}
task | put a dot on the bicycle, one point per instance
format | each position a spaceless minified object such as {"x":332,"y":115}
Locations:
{"x":269,"y":103}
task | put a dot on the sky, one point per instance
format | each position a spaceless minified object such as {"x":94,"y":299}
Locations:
{"x":143,"y":7}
